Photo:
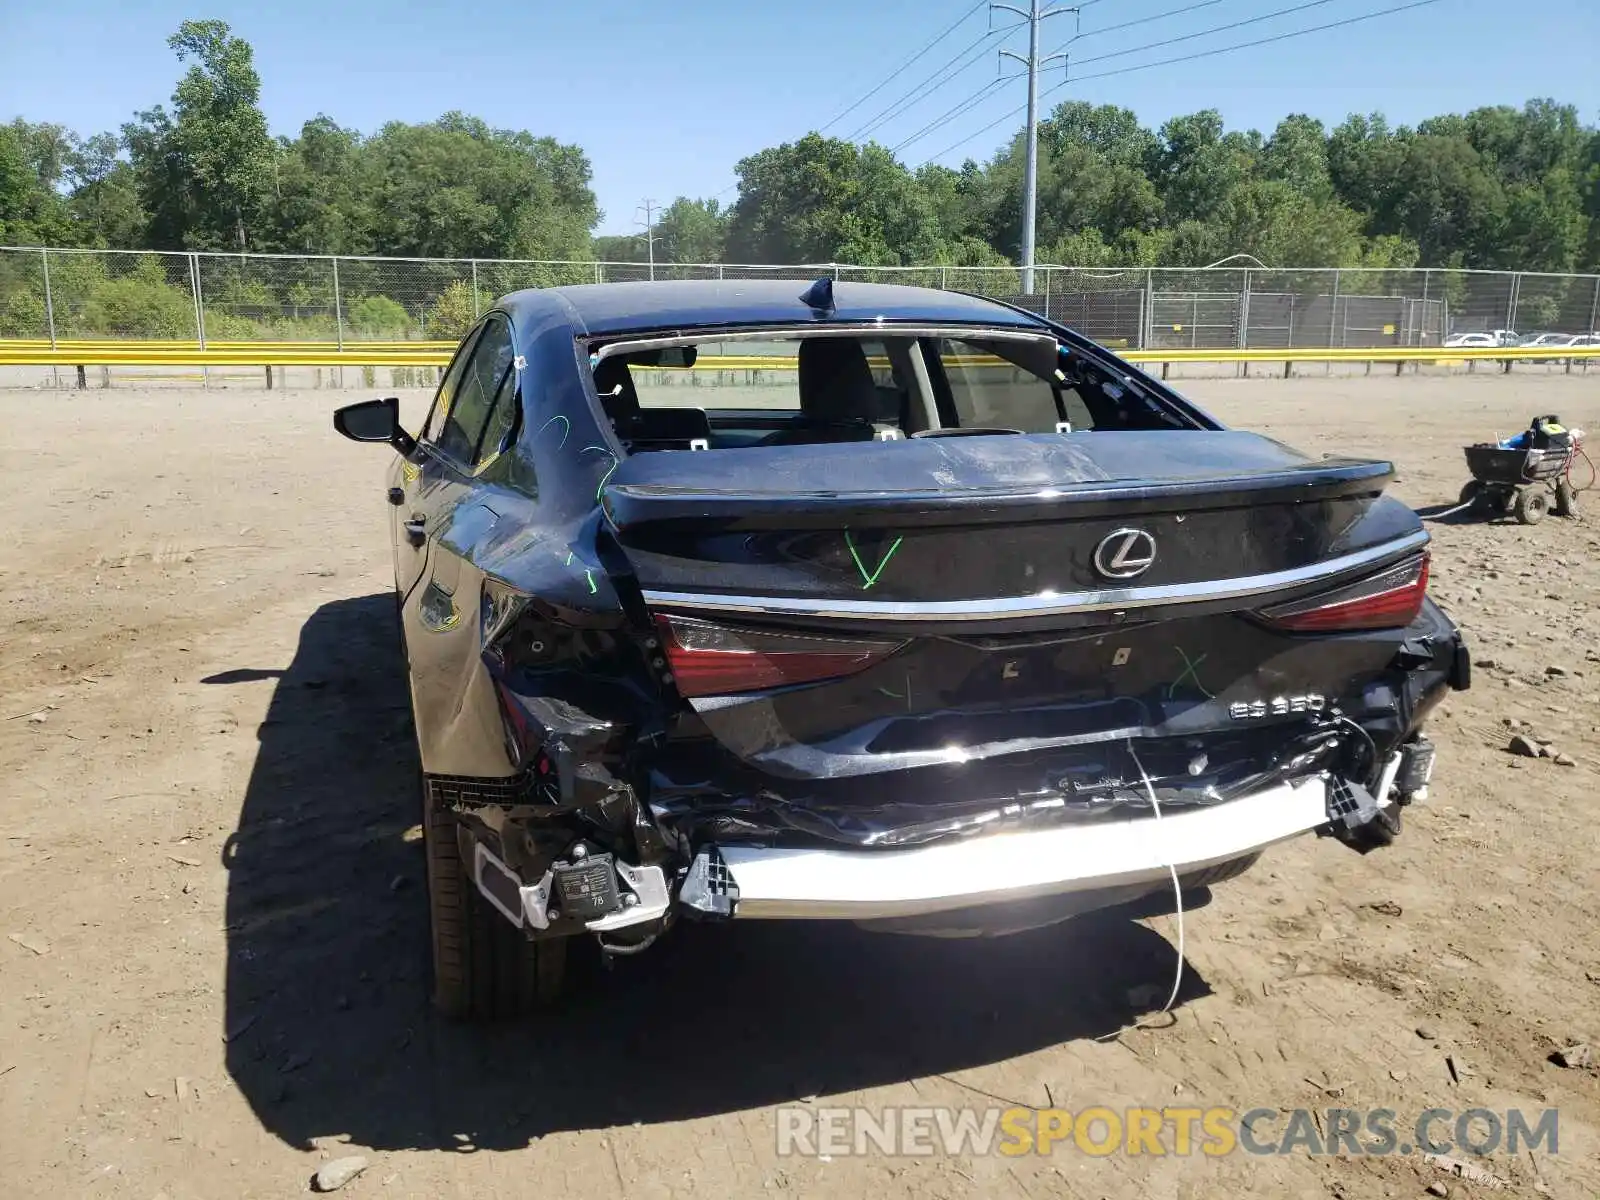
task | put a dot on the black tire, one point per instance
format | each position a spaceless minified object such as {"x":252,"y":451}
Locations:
{"x":1472,"y":493}
{"x":484,"y":969}
{"x":1566,"y":504}
{"x":1531,"y":505}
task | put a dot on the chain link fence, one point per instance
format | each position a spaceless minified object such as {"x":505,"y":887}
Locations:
{"x":64,"y":295}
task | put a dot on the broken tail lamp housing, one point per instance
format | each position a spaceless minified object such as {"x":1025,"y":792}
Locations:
{"x":708,"y":659}
{"x":1391,"y":599}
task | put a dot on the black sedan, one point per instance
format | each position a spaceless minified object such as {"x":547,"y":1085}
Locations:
{"x":799,"y":600}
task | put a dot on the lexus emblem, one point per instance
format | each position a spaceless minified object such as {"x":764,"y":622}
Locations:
{"x":1125,"y":553}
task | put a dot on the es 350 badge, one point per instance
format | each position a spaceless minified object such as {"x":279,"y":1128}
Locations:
{"x":1278,"y":706}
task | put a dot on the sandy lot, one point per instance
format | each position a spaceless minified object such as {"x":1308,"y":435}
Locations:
{"x":212,"y":929}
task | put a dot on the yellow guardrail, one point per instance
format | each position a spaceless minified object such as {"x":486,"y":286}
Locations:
{"x":110,"y":353}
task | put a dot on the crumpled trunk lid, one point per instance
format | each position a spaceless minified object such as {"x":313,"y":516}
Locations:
{"x":1017,"y":644}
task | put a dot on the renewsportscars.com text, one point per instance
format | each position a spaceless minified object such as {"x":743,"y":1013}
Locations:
{"x":1100,"y":1131}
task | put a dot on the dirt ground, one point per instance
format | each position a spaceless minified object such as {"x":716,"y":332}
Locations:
{"x":213,"y":958}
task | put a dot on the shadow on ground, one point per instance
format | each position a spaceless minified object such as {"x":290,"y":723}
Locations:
{"x":328,"y":1024}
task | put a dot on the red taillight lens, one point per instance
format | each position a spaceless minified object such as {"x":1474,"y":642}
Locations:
{"x":713,"y":660}
{"x":1390,"y":599}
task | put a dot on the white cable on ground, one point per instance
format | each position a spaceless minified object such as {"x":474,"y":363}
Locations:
{"x":1449,"y":511}
{"x":1177,"y":898}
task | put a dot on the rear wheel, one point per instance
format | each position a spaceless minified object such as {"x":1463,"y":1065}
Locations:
{"x":1566,"y":500}
{"x":483,"y":967}
{"x":1531,"y":505}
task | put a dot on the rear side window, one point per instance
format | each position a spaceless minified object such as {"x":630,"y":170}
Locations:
{"x":991,"y":392}
{"x":1007,"y":385}
{"x":487,"y":368}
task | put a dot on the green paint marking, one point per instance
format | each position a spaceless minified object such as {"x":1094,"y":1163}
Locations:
{"x":1191,"y":670}
{"x":571,"y":554}
{"x":870,"y":577}
{"x":589,"y":575}
{"x":615,"y":463}
{"x":566,"y":428}
{"x":891,"y":695}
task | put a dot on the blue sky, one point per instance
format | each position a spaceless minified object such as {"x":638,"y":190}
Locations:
{"x":667,"y":97}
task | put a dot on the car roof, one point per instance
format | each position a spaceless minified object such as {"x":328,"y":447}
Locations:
{"x":608,"y":308}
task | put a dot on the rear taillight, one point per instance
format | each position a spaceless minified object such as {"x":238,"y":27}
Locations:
{"x":713,"y":660}
{"x":1391,"y":599}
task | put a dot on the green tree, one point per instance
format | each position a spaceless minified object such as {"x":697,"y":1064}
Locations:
{"x":619,"y":247}
{"x":32,"y":213}
{"x":1363,"y":156}
{"x":206,"y":170}
{"x":453,"y":313}
{"x":827,"y":200}
{"x":1198,"y":165}
{"x":455,"y":188}
{"x":691,"y":231}
{"x":104,"y":199}
{"x":1442,"y":196}
{"x":1297,"y":154}
{"x":321,"y":193}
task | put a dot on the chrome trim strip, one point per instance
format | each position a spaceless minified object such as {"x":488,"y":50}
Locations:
{"x":857,"y":329}
{"x":1002,"y":868}
{"x":1042,"y":604}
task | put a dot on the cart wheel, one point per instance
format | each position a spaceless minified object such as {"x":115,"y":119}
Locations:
{"x":1566,"y":504}
{"x":1472,"y":493}
{"x":1531,"y":505}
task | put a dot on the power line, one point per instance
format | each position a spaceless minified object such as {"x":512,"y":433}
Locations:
{"x":971,"y":101}
{"x":948,"y":30}
{"x":1266,"y":41}
{"x":1199,"y":33}
{"x":951,"y":67}
{"x":1181,"y":58}
{"x":1160,"y":16}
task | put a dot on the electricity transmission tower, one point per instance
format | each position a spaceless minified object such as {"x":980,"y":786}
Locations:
{"x":649,"y":208}
{"x":1034,"y":15}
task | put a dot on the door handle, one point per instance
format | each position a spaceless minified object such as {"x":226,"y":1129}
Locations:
{"x":416,"y":530}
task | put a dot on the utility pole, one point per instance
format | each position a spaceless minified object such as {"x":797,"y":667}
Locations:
{"x":649,"y":208}
{"x":1034,"y":15}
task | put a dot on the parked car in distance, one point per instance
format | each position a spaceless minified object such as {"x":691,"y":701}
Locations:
{"x":1472,"y":339}
{"x":1561,"y":341}
{"x":945,"y":621}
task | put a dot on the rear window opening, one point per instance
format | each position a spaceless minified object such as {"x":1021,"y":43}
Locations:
{"x":732,"y":391}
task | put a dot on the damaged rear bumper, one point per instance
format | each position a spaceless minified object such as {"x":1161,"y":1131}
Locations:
{"x":1071,"y":868}
{"x":761,"y":882}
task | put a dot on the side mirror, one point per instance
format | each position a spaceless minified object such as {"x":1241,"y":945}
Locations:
{"x":374,"y":421}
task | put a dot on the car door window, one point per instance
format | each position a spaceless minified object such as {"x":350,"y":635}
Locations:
{"x":468,"y":415}
{"x":440,"y":407}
